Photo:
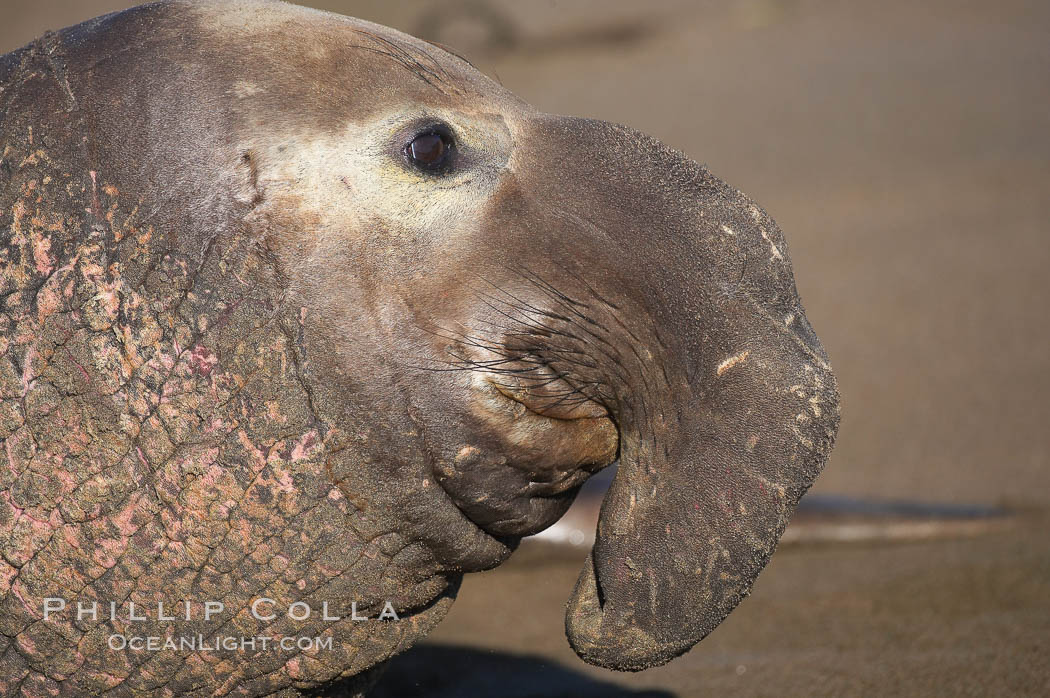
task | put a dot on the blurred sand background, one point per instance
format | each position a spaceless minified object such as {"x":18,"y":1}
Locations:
{"x":904,"y":148}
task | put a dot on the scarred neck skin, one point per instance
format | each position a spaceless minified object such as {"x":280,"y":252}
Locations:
{"x":161,"y":440}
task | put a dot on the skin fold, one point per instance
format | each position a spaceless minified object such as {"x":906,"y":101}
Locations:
{"x":248,"y":350}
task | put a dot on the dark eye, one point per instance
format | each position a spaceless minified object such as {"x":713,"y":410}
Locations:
{"x":431,"y":150}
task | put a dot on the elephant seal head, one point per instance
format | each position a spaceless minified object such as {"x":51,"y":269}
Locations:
{"x":300,"y":308}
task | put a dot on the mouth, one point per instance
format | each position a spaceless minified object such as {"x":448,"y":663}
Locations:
{"x":536,"y":452}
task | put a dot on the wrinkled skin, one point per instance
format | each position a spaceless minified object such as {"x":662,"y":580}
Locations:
{"x":246,"y":350}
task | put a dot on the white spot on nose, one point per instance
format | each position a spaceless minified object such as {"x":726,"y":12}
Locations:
{"x":244,"y":88}
{"x":773,"y":248}
{"x":466,"y":453}
{"x":732,"y":361}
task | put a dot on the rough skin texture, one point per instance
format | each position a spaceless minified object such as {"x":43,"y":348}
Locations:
{"x":159,"y":440}
{"x":160,"y":443}
{"x":249,"y":351}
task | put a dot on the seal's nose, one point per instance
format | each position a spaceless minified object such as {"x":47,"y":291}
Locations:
{"x":727,"y":407}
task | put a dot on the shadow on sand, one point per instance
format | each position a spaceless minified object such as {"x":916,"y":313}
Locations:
{"x":454,"y":671}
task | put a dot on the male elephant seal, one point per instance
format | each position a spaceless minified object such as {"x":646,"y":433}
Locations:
{"x":299,"y":312}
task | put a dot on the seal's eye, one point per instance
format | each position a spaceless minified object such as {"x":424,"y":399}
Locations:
{"x":431,"y":150}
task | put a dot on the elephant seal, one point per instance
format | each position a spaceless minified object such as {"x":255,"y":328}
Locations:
{"x":303,"y":318}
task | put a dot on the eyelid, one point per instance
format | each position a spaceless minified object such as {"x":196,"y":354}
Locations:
{"x":437,"y":128}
